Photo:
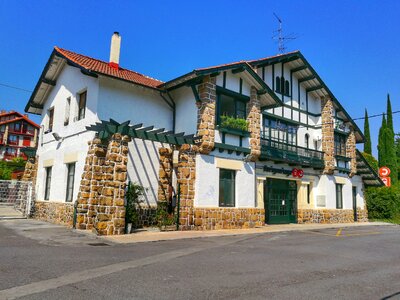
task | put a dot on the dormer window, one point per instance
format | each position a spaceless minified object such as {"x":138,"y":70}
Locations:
{"x":282,"y":86}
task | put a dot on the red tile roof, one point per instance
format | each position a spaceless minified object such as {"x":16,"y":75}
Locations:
{"x":19,"y":117}
{"x":102,"y":67}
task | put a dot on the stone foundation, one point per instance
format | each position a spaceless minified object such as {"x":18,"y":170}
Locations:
{"x":227,"y":218}
{"x":362,"y":215}
{"x":330,"y":216}
{"x":147,"y":217}
{"x":54,"y":212}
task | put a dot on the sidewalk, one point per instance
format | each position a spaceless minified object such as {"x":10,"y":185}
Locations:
{"x":153,"y":235}
{"x":7,"y":211}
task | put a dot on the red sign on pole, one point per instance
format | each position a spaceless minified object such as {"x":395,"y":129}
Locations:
{"x":297,"y":173}
{"x":386,"y":181}
{"x":384,"y":172}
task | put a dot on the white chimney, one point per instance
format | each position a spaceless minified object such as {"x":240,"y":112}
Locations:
{"x":115,"y":49}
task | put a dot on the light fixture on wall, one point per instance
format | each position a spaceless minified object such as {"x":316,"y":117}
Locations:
{"x":57,"y":137}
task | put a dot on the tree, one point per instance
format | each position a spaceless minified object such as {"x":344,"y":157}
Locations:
{"x":389,"y":114}
{"x":367,"y":134}
{"x":381,"y":143}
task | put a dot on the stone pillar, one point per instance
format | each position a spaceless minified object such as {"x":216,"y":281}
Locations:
{"x":30,"y":171}
{"x":328,"y":135}
{"x":351,"y":152}
{"x":254,"y":120}
{"x":186,"y":179}
{"x":91,"y":183}
{"x":206,"y":114}
{"x":164,"y":174}
{"x":110,"y":211}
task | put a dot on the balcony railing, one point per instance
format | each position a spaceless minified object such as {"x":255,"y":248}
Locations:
{"x":291,"y":154}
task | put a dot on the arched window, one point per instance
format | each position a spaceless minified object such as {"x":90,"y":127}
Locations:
{"x":282,"y":84}
{"x":287,"y":88}
{"x":277,"y":84}
{"x":307,"y":140}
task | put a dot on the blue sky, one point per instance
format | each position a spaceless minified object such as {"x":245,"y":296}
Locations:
{"x":353,"y":45}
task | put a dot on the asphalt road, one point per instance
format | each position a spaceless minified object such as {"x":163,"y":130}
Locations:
{"x":42,"y":261}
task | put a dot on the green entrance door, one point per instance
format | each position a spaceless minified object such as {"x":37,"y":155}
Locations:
{"x":280,"y":202}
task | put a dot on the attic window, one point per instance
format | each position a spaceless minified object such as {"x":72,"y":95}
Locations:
{"x":82,"y":105}
{"x":282,"y":86}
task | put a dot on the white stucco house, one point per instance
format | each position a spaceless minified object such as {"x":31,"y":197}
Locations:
{"x":274,"y":140}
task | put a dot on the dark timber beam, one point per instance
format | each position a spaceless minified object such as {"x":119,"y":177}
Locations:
{"x":49,"y":82}
{"x":301,"y":80}
{"x":315,"y":88}
{"x":238,"y":70}
{"x":298,"y":69}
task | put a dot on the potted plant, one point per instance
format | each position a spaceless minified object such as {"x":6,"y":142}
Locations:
{"x":234,"y":125}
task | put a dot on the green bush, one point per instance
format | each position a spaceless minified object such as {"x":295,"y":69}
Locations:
{"x":164,"y":218}
{"x":134,"y":196}
{"x":7,"y":167}
{"x":372,"y":161}
{"x":383,"y":202}
{"x":234,"y":123}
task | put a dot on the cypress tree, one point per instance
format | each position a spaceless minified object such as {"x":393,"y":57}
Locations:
{"x":381,"y":143}
{"x":367,"y":134}
{"x":391,"y":154}
{"x":389,"y":114}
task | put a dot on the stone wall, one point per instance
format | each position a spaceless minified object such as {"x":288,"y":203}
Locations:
{"x":351,"y":152}
{"x":254,"y":120}
{"x":165,"y":174}
{"x":206,"y":114}
{"x":101,"y":198}
{"x":30,"y":171}
{"x":91,"y":184}
{"x":328,"y":135}
{"x":228,"y":218}
{"x":329,"y":216}
{"x":186,"y":178}
{"x":54,"y":212}
{"x":362,"y":215}
{"x":147,"y":216}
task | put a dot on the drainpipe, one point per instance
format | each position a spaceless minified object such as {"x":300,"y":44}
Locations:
{"x":171,"y":104}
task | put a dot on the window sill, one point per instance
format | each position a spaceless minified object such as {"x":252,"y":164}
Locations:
{"x":342,"y":158}
{"x":234,"y":131}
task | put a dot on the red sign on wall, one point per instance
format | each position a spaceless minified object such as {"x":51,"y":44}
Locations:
{"x":297,"y":173}
{"x":384,"y":171}
{"x":386,"y":181}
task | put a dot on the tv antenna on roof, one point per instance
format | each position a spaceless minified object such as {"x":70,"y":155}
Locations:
{"x":278,"y":35}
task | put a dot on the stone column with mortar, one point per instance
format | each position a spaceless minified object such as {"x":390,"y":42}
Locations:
{"x":351,"y":152}
{"x":254,"y":121}
{"x":91,"y":184}
{"x":30,"y":171}
{"x":164,"y":174}
{"x":206,"y":114}
{"x":328,"y":135}
{"x":186,"y":179}
{"x":110,"y":211}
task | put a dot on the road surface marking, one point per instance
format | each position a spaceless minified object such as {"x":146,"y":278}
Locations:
{"x":339,"y":232}
{"x":79,"y":276}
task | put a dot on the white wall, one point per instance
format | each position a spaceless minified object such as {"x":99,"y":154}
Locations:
{"x":143,"y":167}
{"x":124,"y":101}
{"x":69,"y":83}
{"x":207,"y":183}
{"x":186,"y":110}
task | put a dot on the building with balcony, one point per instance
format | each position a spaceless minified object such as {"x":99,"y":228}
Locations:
{"x":250,"y":143}
{"x":17,"y":132}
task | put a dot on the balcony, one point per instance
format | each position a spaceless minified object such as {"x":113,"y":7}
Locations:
{"x":291,"y":154}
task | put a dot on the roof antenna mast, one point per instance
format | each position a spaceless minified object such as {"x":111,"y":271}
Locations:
{"x":278,"y":35}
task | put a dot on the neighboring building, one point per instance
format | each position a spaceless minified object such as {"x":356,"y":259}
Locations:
{"x":17,"y":132}
{"x":295,"y":159}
